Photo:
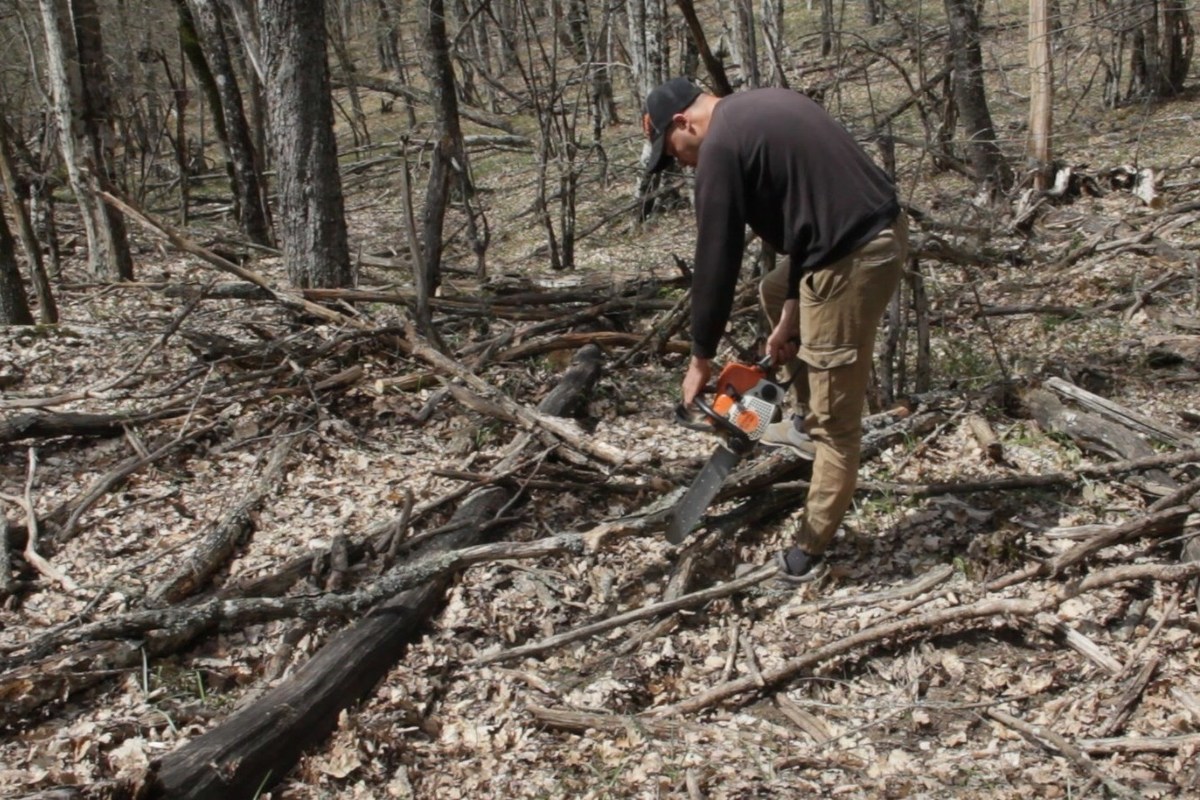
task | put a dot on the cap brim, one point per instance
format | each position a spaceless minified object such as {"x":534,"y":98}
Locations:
{"x":658,"y":159}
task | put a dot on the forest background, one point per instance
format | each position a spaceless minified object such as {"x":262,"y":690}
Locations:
{"x":340,"y":343}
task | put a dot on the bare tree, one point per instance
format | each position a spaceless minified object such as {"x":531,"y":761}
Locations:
{"x":75,"y":70}
{"x":1160,"y":52}
{"x":215,"y":68}
{"x":357,"y":118}
{"x":447,"y":148}
{"x":14,"y":304}
{"x":648,"y":50}
{"x":391,"y":47}
{"x":1041,"y":93}
{"x":716,"y":70}
{"x":772,"y":29}
{"x":991,"y":168}
{"x":47,"y":308}
{"x":747,"y":35}
{"x":588,"y":45}
{"x":312,"y":219}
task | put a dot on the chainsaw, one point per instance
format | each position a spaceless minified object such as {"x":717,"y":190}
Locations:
{"x":746,"y":400}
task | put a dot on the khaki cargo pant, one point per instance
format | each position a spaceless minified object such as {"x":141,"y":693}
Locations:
{"x":840,"y":309}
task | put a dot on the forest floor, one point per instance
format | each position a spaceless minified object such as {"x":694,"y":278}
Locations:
{"x":955,"y":650}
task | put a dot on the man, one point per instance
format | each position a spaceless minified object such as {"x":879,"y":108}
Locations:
{"x":775,"y":160}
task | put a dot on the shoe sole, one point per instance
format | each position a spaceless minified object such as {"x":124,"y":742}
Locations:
{"x":812,"y":576}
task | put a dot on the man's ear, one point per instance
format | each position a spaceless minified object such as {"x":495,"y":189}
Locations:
{"x":680,"y":120}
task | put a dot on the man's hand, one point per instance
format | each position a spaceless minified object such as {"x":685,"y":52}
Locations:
{"x":782,"y":344}
{"x":699,"y":371}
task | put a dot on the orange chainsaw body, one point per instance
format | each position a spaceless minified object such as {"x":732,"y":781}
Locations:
{"x":748,"y":398}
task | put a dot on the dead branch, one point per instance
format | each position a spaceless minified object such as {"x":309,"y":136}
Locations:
{"x":919,"y":586}
{"x":526,"y":417}
{"x":653,"y":610}
{"x":261,"y":741}
{"x":987,"y":608}
{"x":1043,"y":737}
{"x":219,"y":543}
{"x":582,"y":721}
{"x":572,"y":341}
{"x":1139,"y":744}
{"x":115,"y":477}
{"x":36,"y":425}
{"x":285,"y":298}
{"x":1033,"y":481}
{"x":32,"y":556}
{"x":220,"y":613}
{"x":1125,"y":704}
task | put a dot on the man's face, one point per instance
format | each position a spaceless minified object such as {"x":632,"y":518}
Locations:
{"x":682,"y":141}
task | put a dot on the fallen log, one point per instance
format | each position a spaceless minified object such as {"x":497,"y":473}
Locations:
{"x":259,"y":743}
{"x":39,"y":425}
{"x":220,"y":541}
{"x":1121,"y":415}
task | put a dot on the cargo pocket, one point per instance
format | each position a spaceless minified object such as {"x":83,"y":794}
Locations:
{"x":828,"y":357}
{"x":830,"y":384}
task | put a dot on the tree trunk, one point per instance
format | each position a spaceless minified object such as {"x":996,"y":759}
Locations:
{"x":447,"y":148}
{"x":1041,"y":93}
{"x":358,"y":118}
{"x":991,"y":170}
{"x":772,"y":28}
{"x":312,"y":217}
{"x":393,"y":42}
{"x":1161,"y":49}
{"x":14,"y":304}
{"x":827,"y":28}
{"x":233,"y":128}
{"x":98,"y":128}
{"x":647,"y":45}
{"x":716,"y":70}
{"x":108,"y":251}
{"x":748,"y":30}
{"x":47,"y":308}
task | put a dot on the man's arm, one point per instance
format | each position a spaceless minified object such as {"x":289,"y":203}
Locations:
{"x":720,"y":238}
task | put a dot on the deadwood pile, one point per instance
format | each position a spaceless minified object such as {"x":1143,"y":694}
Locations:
{"x":272,"y":543}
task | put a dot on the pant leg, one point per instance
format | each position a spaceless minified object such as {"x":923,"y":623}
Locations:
{"x":840,"y":309}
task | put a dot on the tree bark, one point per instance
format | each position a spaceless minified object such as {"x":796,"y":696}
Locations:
{"x":312,"y":218}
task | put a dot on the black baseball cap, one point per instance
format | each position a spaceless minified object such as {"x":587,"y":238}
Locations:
{"x":662,"y":104}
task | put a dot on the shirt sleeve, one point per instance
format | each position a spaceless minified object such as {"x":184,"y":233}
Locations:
{"x":720,"y":239}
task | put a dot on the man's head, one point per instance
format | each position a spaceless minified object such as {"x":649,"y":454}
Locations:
{"x":665,"y":109}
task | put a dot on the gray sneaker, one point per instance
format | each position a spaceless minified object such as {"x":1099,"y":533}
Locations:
{"x":789,"y":433}
{"x":797,"y":567}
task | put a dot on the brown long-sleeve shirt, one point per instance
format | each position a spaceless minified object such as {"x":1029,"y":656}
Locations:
{"x":775,"y":160}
